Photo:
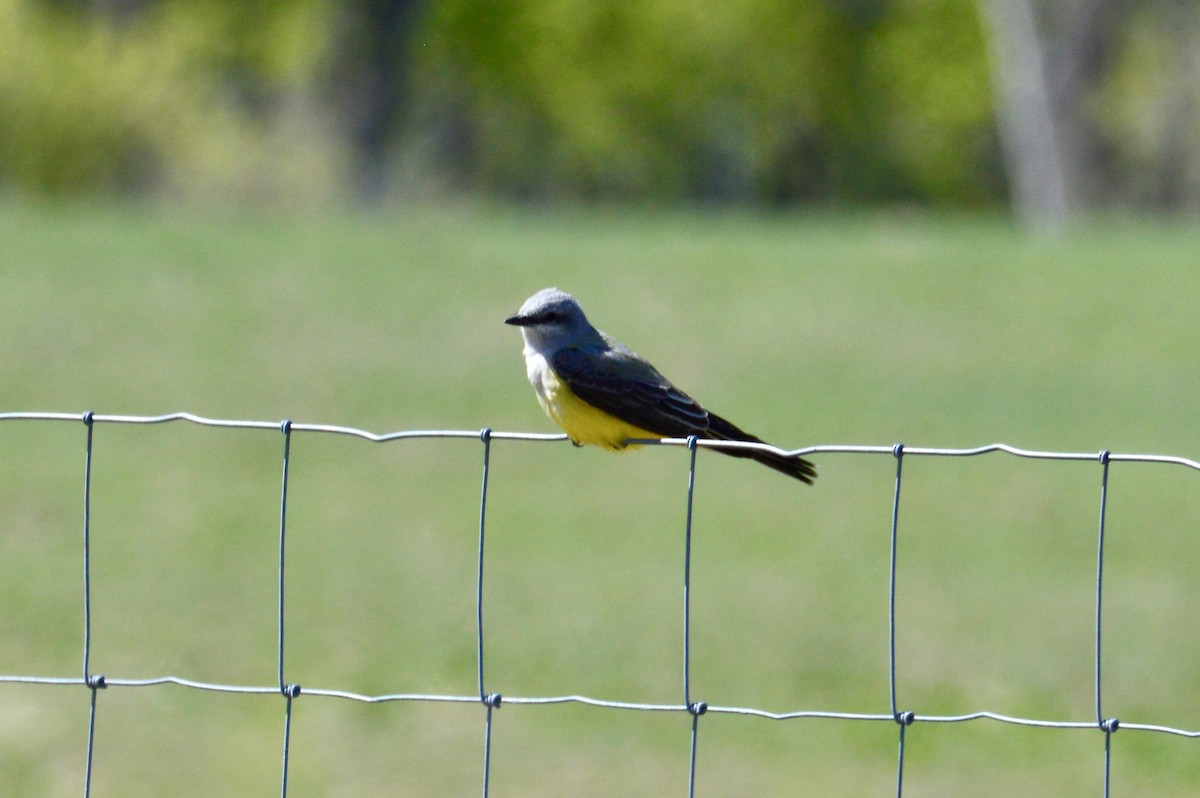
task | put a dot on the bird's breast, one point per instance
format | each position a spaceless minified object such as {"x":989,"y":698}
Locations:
{"x":583,"y":423}
{"x":538,"y":371}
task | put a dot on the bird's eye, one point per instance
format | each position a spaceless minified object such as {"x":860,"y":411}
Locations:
{"x":552,"y":315}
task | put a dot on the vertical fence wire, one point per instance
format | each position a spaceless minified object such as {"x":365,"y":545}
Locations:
{"x":1104,"y":460}
{"x":87,"y":548}
{"x":903,"y":719}
{"x":286,"y":429}
{"x":900,"y":760}
{"x":898,"y":452}
{"x":696,"y":709}
{"x":1109,"y":728}
{"x":687,"y":578}
{"x":490,"y":701}
{"x":94,"y":683}
{"x":87,"y":773}
{"x":289,"y":691}
{"x":692,"y":754}
{"x":1108,"y":725}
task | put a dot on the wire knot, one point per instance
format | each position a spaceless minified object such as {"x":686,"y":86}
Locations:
{"x":290,"y":690}
{"x":492,"y":700}
{"x":898,"y":450}
{"x":285,"y":426}
{"x":485,"y":434}
{"x":1109,"y":725}
{"x":88,"y":418}
{"x":691,"y":441}
{"x":697,"y":708}
{"x":1104,"y":456}
{"x":96,"y":681}
{"x":905,"y":718}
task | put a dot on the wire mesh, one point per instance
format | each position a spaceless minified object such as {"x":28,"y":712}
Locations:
{"x":492,"y":701}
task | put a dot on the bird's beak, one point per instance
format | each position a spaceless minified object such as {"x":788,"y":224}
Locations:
{"x":517,"y":320}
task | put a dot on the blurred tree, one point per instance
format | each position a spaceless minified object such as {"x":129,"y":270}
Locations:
{"x":1098,"y":103}
{"x":1081,"y":37}
{"x":369,"y":82}
{"x":1175,"y":181}
{"x":117,"y":10}
{"x":1151,"y":106}
{"x":1024,"y":110}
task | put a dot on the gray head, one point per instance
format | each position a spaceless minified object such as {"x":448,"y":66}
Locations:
{"x":551,"y":319}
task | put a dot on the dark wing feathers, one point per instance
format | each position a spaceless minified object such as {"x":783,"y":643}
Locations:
{"x":631,"y":390}
{"x":792,"y":465}
{"x":623,"y":385}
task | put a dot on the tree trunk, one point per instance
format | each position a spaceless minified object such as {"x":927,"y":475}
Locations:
{"x":1024,"y":116}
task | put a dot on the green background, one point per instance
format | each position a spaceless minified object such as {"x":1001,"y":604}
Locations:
{"x":805,"y":328}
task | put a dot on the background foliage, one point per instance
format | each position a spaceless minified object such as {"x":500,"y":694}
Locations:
{"x":765,"y":102}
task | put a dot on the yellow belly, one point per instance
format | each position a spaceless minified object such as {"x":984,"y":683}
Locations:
{"x":583,"y":423}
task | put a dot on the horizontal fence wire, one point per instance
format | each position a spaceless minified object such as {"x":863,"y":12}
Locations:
{"x":491,"y":701}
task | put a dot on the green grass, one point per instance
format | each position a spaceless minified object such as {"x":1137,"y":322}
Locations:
{"x":804,"y":328}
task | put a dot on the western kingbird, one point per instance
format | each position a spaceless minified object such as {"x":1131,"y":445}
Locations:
{"x":603,"y":394}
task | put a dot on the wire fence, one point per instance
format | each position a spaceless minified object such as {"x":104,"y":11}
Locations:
{"x":902,"y":717}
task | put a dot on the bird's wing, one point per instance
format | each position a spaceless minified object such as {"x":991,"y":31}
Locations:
{"x":621,"y":384}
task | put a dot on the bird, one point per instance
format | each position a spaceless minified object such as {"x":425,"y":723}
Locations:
{"x":602,"y":393}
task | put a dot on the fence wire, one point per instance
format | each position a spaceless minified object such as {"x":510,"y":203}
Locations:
{"x":492,"y":701}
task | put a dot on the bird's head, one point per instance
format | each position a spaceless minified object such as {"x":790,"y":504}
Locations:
{"x":551,"y":319}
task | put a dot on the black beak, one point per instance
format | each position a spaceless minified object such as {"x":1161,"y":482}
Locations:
{"x":518,"y":320}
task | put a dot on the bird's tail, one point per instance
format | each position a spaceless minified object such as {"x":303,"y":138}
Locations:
{"x":792,"y":465}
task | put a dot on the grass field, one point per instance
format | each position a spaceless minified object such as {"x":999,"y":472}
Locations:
{"x":804,"y":328}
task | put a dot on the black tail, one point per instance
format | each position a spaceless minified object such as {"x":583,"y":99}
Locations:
{"x":793,"y":465}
